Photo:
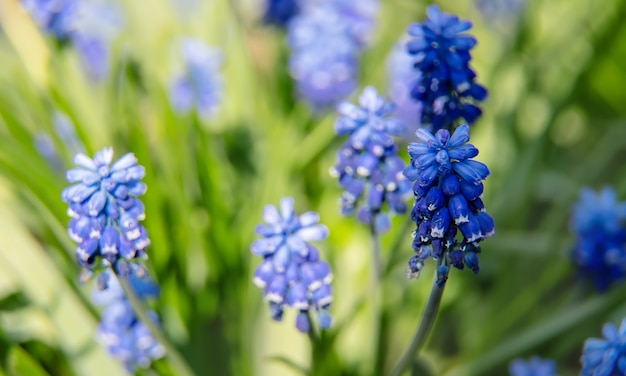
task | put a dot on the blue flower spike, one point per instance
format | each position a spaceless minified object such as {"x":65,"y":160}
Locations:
{"x":90,"y":26}
{"x":106,"y":211}
{"x":120,"y":330}
{"x":368,"y":166}
{"x":599,"y":223}
{"x":326,"y":39}
{"x":449,"y":214}
{"x":535,"y":366}
{"x":199,"y":85}
{"x":292,"y":274}
{"x":605,"y":356}
{"x":446,"y":87}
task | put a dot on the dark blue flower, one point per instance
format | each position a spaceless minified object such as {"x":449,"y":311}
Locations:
{"x":124,"y":335}
{"x":280,"y":12}
{"x":326,"y":39}
{"x":535,"y":366}
{"x":605,"y":356}
{"x":448,"y":188}
{"x":199,"y":84}
{"x":599,"y":222}
{"x":368,"y":166}
{"x":105,"y":209}
{"x":292,"y":274}
{"x":441,"y":53}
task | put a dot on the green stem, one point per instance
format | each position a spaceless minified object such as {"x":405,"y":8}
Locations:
{"x":176,"y":361}
{"x":378,"y":264}
{"x":314,"y":339}
{"x":428,"y":319}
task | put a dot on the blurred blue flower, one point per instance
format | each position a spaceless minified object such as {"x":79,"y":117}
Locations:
{"x":89,"y":25}
{"x":120,"y":330}
{"x":599,"y":222}
{"x":199,"y":85}
{"x":441,"y":53}
{"x":501,"y":13}
{"x":65,"y":130}
{"x":105,"y":209}
{"x":280,"y":12}
{"x":45,"y":147}
{"x":448,"y":188}
{"x":605,"y":356}
{"x":368,"y":164}
{"x":402,"y":78}
{"x":55,"y":17}
{"x":326,"y":39}
{"x":535,"y":366}
{"x":292,"y":273}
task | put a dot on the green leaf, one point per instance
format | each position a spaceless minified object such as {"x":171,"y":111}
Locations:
{"x":21,"y":363}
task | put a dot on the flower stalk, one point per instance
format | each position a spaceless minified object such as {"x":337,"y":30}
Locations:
{"x":424,"y":328}
{"x":176,"y":361}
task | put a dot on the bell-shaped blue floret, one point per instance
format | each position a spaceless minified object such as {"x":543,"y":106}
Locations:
{"x":442,"y":275}
{"x":276,"y":289}
{"x":471,"y":229}
{"x":435,"y":199}
{"x":440,"y":223}
{"x":471,"y":260}
{"x":303,"y":323}
{"x":459,"y":209}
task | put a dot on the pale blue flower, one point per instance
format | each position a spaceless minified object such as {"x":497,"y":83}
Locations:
{"x":199,"y":84}
{"x":605,"y":356}
{"x":292,"y":274}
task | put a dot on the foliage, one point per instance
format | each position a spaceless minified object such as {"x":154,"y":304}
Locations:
{"x":554,"y":122}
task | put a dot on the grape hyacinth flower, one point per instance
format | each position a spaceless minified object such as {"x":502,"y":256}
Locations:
{"x":535,"y":366}
{"x":441,"y":54}
{"x":326,"y":39}
{"x":106,"y":211}
{"x":52,"y":16}
{"x":199,"y":84}
{"x":599,"y":222}
{"x":292,"y":274}
{"x":89,"y":26}
{"x":605,"y":356}
{"x":448,"y":188}
{"x":280,"y":12}
{"x":368,"y":166}
{"x":402,"y":79}
{"x":124,"y":335}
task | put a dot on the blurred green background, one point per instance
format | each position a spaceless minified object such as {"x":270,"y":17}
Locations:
{"x":555,"y":121}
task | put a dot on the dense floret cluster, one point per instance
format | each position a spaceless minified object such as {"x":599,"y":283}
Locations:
{"x":292,"y":274}
{"x":448,"y":188}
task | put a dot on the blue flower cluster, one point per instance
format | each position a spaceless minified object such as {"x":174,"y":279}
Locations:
{"x":448,"y":188}
{"x":368,"y":163}
{"x":326,"y":39}
{"x":402,"y":78}
{"x":441,"y":53}
{"x":280,"y":12}
{"x":120,"y":330}
{"x":292,"y":274}
{"x":535,"y":366}
{"x":105,"y":209}
{"x":89,"y":26}
{"x":199,"y":85}
{"x":605,"y":356}
{"x":599,"y":222}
